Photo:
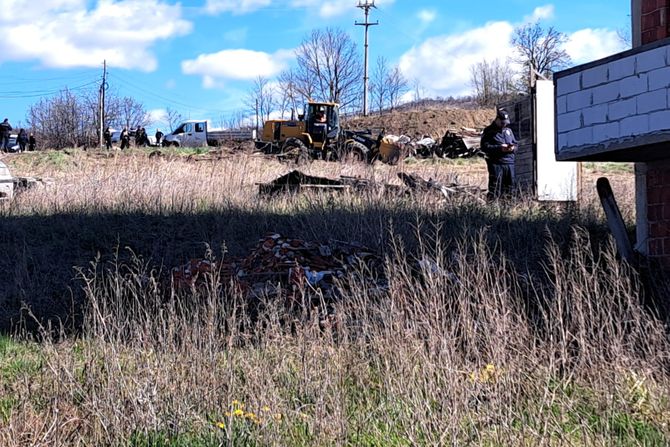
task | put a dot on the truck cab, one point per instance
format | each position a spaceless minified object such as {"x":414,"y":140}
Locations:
{"x":191,"y":133}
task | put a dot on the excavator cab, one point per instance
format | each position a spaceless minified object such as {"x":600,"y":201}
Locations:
{"x":323,"y":122}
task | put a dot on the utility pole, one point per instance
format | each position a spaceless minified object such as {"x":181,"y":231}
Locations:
{"x":103,"y":87}
{"x":366,"y":5}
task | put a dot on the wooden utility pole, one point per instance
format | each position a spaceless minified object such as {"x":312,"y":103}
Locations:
{"x":366,"y":5}
{"x":103,"y":87}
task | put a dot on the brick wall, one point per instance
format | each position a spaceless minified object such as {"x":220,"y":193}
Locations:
{"x":658,"y":211}
{"x":654,"y":20}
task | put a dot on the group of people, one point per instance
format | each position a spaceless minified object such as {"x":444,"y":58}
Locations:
{"x":22,"y":138}
{"x":141,"y":138}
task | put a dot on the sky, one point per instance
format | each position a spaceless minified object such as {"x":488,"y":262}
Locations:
{"x":201,"y":57}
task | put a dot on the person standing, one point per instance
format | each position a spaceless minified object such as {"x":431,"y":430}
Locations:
{"x":5,"y":129}
{"x":22,"y":140}
{"x":31,"y":142}
{"x":159,"y":137}
{"x":125,"y":139}
{"x":499,"y":145}
{"x":107,"y":135}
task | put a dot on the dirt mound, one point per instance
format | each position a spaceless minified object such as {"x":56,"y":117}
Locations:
{"x":418,"y":123}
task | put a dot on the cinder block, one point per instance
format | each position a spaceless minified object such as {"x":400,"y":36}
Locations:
{"x":580,"y":137}
{"x":606,"y":93}
{"x":651,"y":60}
{"x":569,"y":121}
{"x":605,"y":132}
{"x":634,"y":125}
{"x":561,"y":104}
{"x":633,"y":85}
{"x":622,"y":109}
{"x":652,"y":101}
{"x":580,"y":100}
{"x":595,"y":76}
{"x":622,"y":68}
{"x":659,"y":121}
{"x":595,"y":115}
{"x":659,"y":78}
{"x":568,"y":84}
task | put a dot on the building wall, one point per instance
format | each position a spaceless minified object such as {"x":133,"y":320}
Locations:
{"x":654,"y":20}
{"x":653,"y":195}
{"x":617,"y":103}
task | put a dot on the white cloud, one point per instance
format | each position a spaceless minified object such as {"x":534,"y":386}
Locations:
{"x":591,"y":44}
{"x":545,"y":12}
{"x":427,"y":15}
{"x":322,"y":8}
{"x":67,"y":33}
{"x":236,"y":64}
{"x":235,"y":6}
{"x":442,"y":64}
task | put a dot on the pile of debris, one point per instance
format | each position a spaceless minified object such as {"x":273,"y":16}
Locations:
{"x":281,"y":263}
{"x":296,"y":182}
{"x":462,"y":144}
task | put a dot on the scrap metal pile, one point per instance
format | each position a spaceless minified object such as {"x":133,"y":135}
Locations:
{"x":279,"y":263}
{"x":453,"y":144}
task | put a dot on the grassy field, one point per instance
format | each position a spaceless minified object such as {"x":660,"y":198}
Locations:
{"x":528,"y":330}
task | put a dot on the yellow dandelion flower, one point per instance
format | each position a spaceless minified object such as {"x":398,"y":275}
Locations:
{"x":235,"y":403}
{"x":238,"y":412}
{"x":490,"y":368}
{"x":221,"y":425}
{"x":227,"y":414}
{"x":265,"y":409}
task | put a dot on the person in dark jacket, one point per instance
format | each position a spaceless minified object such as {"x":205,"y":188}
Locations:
{"x":107,"y":135}
{"x":159,"y":137}
{"x":31,"y":142}
{"x":22,"y":140}
{"x":125,"y":139}
{"x":499,"y":145}
{"x":5,"y":129}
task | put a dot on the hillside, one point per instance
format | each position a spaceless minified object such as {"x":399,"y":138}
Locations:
{"x":417,"y":123}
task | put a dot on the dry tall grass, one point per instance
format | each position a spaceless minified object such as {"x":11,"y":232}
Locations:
{"x":528,"y":331}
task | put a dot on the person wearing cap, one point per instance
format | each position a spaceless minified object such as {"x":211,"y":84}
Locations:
{"x":499,"y":145}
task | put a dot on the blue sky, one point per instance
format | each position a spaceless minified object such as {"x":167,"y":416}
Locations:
{"x":200,"y":57}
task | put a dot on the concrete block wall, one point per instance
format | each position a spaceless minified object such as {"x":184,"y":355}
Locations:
{"x":654,"y":20}
{"x":616,"y":100}
{"x":658,"y":211}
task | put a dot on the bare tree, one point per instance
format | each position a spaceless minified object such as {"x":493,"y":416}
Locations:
{"x":260,"y":99}
{"x":379,"y":86}
{"x":493,"y":82}
{"x":539,"y":50}
{"x":173,"y":118}
{"x":397,"y":86}
{"x":288,"y":95}
{"x":329,"y":68}
{"x":133,"y":114}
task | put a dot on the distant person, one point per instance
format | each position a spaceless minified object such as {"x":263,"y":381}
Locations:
{"x":159,"y":137}
{"x":499,"y":145}
{"x":107,"y":135}
{"x":32,"y":143}
{"x":145,"y":138}
{"x":22,"y":140}
{"x":125,"y":139}
{"x":5,"y":130}
{"x":138,"y":136}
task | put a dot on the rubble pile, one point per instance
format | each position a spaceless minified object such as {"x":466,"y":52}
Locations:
{"x":293,"y":264}
{"x":462,"y":144}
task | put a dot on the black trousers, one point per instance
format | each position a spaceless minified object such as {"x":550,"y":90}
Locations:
{"x":502,"y":179}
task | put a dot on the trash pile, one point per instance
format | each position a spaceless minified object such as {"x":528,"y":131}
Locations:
{"x":278,"y":262}
{"x":463,"y":144}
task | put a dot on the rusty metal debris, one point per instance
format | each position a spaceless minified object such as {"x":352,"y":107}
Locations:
{"x":279,"y":262}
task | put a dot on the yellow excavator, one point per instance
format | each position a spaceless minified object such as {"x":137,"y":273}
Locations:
{"x":316,"y":134}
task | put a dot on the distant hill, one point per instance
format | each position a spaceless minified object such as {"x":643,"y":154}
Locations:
{"x":432,"y":119}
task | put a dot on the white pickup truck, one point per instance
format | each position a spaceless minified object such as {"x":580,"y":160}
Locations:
{"x":194,"y":133}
